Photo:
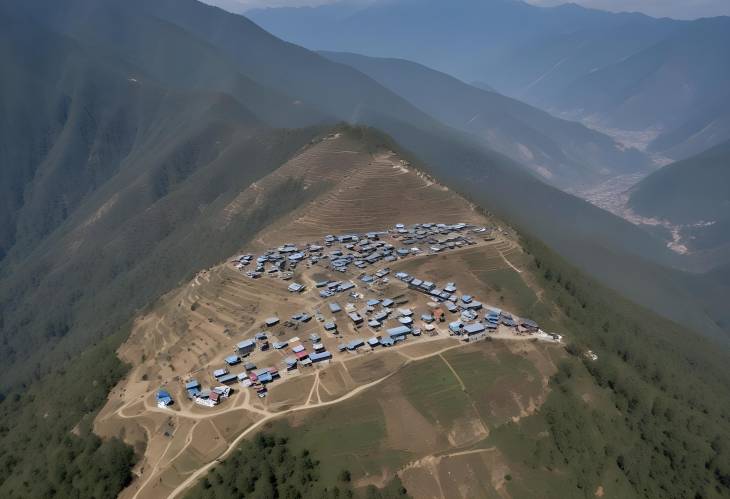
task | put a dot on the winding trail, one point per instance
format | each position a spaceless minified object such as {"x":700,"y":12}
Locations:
{"x":458,"y":378}
{"x":232,"y":446}
{"x":189,"y":481}
{"x":509,"y":263}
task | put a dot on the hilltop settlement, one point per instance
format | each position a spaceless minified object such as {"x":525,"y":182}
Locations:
{"x":351,"y":303}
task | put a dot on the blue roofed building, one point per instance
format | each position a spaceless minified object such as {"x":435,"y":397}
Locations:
{"x":232,"y":360}
{"x":472,"y":329}
{"x":387,"y":341}
{"x":399,"y":331}
{"x":163,"y":398}
{"x":320,"y":356}
{"x":354,"y":345}
{"x":228,"y":378}
{"x":455,"y":327}
{"x":245,"y":347}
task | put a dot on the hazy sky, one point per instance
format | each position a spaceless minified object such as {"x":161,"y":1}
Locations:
{"x":680,"y":9}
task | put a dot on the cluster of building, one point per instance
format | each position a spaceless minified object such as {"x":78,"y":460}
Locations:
{"x":279,"y":261}
{"x":474,"y":319}
{"x":207,"y":397}
{"x":389,"y":320}
{"x":360,"y":250}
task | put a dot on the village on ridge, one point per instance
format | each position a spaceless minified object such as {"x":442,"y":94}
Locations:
{"x":347,"y":276}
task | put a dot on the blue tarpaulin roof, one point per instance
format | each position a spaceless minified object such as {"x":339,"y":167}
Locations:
{"x":399,"y":331}
{"x":320,"y":356}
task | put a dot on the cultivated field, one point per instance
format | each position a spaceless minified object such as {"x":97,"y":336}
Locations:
{"x":424,"y":409}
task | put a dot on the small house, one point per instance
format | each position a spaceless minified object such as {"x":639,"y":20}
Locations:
{"x":228,"y":378}
{"x":399,"y":331}
{"x":246,"y":347}
{"x":472,"y":329}
{"x":232,"y":360}
{"x":387,"y":341}
{"x":290,"y":363}
{"x":163,"y":398}
{"x":529,"y":325}
{"x":354,"y":345}
{"x":320,"y":356}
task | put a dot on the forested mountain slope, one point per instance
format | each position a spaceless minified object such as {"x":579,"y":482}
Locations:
{"x":689,"y":191}
{"x":693,"y":197}
{"x":103,"y":173}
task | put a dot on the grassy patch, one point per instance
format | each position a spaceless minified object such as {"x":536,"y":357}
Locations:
{"x":496,"y":380}
{"x":350,"y":435}
{"x":431,"y":388}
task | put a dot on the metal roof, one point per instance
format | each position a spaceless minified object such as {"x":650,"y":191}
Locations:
{"x":399,"y":331}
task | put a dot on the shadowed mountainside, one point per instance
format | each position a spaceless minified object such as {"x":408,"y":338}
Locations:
{"x":564,"y":153}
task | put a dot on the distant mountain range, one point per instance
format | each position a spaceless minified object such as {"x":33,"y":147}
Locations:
{"x":627,"y":71}
{"x":563,"y":153}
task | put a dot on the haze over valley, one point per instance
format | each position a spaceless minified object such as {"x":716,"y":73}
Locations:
{"x":371,"y":249}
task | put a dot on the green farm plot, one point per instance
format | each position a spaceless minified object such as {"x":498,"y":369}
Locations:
{"x":434,"y":391}
{"x":349,"y":436}
{"x":509,"y":289}
{"x":501,"y":385}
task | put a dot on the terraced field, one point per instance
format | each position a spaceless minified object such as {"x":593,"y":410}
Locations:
{"x":404,"y":410}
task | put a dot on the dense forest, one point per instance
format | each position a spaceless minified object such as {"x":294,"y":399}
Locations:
{"x":265,"y":468}
{"x":47,"y":447}
{"x":668,"y":385}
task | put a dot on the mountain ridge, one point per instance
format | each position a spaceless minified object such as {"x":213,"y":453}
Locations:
{"x":557,"y":58}
{"x":555,"y":149}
